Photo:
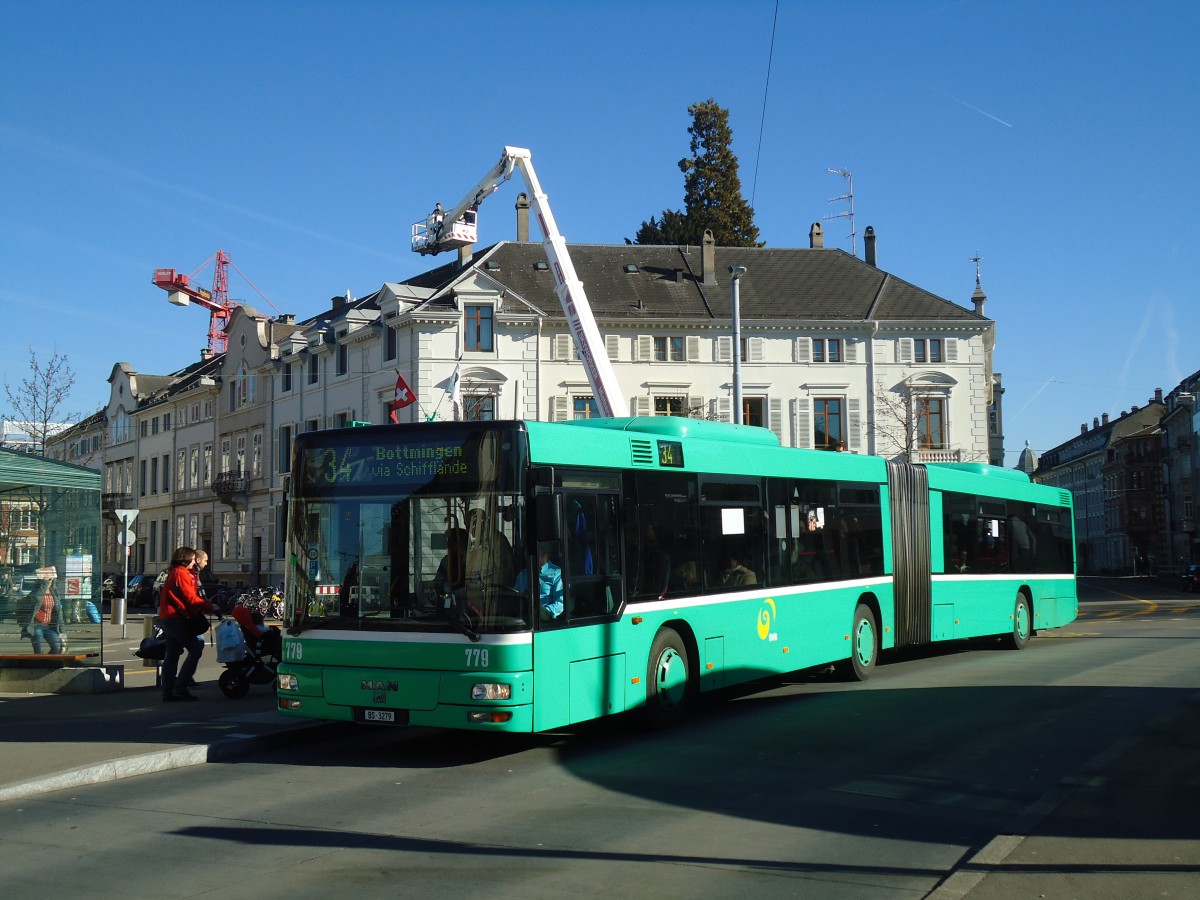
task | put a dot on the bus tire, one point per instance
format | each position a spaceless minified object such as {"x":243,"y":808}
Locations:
{"x":864,"y":645}
{"x":1022,"y":624}
{"x":666,"y":680}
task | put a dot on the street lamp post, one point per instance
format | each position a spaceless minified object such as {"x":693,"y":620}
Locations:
{"x":737,"y":272}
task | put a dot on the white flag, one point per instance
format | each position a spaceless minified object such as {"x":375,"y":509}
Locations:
{"x":455,"y":390}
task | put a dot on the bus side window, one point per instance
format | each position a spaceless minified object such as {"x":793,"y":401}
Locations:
{"x":592,"y":572}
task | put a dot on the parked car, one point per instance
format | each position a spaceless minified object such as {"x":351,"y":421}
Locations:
{"x":1191,"y":578}
{"x":112,"y":585}
{"x":141,"y":591}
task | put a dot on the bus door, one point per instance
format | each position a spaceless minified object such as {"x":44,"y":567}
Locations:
{"x":579,"y":673}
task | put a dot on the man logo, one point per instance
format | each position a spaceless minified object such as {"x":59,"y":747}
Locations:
{"x":368,"y":685}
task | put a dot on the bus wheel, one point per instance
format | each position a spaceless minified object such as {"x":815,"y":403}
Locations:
{"x":864,"y":645}
{"x":666,"y":680}
{"x":1021,"y":624}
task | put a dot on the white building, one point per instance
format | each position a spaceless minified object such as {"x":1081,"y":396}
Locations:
{"x":834,"y":352}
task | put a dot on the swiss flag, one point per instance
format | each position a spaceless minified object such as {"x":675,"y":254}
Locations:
{"x":404,"y":397}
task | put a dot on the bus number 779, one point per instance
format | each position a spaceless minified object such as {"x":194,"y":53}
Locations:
{"x":477,"y":657}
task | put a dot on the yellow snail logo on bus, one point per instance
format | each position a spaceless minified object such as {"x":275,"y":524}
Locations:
{"x":766,"y":618}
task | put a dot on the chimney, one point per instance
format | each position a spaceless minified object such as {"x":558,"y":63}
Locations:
{"x":1096,"y":422}
{"x":338,"y":302}
{"x":816,"y":237}
{"x":869,"y":245}
{"x":1083,"y":428}
{"x":678,"y":275}
{"x":1104,"y":419}
{"x":1158,"y":395}
{"x":522,"y":208}
{"x":287,"y":318}
{"x":206,"y":353}
{"x":708,"y":258}
{"x":466,"y":253}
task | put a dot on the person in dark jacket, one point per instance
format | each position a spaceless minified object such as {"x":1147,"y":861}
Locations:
{"x":179,"y":601}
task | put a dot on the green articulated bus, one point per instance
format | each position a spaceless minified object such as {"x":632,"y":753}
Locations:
{"x":523,"y":576}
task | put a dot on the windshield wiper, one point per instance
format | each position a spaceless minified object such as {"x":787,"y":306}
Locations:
{"x":458,"y":618}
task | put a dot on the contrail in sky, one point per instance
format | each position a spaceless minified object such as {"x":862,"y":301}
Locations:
{"x":976,"y":108}
{"x":37,"y":145}
{"x":1049,"y":381}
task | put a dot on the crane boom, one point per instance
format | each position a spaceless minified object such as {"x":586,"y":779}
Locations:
{"x":456,"y":227}
{"x":181,"y":293}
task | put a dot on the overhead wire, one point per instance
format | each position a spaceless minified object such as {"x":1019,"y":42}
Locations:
{"x":763,"y":119}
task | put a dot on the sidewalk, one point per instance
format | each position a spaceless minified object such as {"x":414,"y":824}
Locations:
{"x":54,"y":741}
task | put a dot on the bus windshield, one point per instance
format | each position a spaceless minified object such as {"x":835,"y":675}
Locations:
{"x":416,"y":529}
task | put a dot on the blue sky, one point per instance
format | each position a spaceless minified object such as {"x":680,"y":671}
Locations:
{"x":1056,"y":140}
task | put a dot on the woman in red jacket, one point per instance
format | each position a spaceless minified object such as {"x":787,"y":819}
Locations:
{"x":179,"y":601}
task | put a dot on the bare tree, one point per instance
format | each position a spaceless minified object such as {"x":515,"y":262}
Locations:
{"x":38,"y":400}
{"x":900,"y":414}
{"x":894,"y":423}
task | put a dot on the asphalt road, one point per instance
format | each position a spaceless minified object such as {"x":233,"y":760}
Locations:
{"x":797,"y":787}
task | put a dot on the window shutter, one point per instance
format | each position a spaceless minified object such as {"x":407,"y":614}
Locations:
{"x":641,"y":406}
{"x":562,"y":346}
{"x":612,"y":346}
{"x":804,"y":422}
{"x":951,"y":350}
{"x":775,"y":416}
{"x":645,"y":348}
{"x":695,"y":407}
{"x":692,"y":348}
{"x":852,"y":350}
{"x":906,"y":351}
{"x":854,"y":425}
{"x":803,"y":350}
{"x":724,"y":348}
{"x":754,"y":350}
{"x":724,"y":409}
{"x":560,"y":409}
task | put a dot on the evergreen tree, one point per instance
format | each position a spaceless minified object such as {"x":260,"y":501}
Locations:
{"x":712,"y":189}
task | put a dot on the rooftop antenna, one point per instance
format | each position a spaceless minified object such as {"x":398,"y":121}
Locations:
{"x":849,"y":214}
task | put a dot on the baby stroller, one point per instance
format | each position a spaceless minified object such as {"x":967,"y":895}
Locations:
{"x":259,"y":653}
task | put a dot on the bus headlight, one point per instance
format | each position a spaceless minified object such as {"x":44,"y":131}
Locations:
{"x":288,"y":683}
{"x":491,"y":692}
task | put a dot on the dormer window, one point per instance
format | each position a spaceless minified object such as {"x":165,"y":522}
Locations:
{"x":478,"y":332}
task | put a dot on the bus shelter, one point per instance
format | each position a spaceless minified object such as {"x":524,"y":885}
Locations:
{"x":50,"y":584}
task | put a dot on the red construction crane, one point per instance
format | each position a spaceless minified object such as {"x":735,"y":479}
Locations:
{"x":216,"y":301}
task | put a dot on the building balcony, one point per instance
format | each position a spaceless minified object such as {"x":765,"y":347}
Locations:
{"x":109,"y":502}
{"x":231,"y":487}
{"x":937,"y":456}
